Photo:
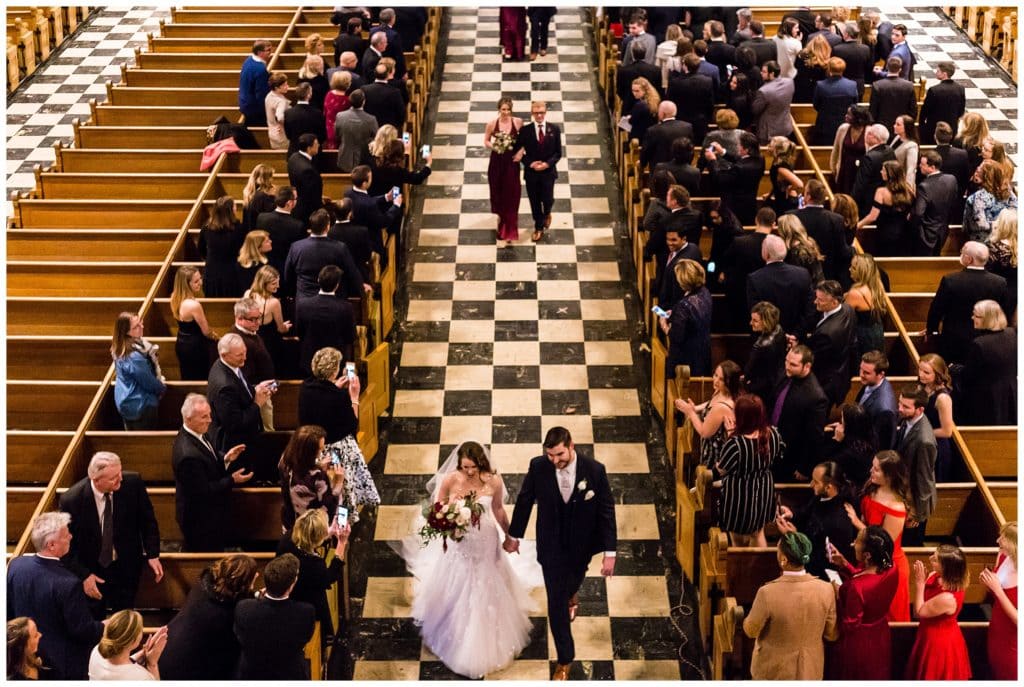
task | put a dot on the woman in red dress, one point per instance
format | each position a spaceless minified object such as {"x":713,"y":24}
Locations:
{"x":864,"y":649}
{"x":1002,"y":629}
{"x":886,"y":502}
{"x":512,"y":21}
{"x":940,"y":652}
{"x":503,"y":171}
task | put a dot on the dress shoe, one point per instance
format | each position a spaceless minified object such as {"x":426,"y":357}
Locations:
{"x":547,"y":221}
{"x":543,"y":53}
{"x":537,"y":236}
{"x":574,"y":607}
{"x":533,"y":56}
{"x":561,"y":672}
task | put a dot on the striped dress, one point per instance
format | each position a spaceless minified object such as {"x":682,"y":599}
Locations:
{"x":748,"y":490}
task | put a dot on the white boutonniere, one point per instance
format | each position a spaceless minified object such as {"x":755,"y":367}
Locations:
{"x":582,"y":485}
{"x":589,"y":495}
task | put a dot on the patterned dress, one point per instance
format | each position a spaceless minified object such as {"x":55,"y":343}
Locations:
{"x":748,"y":488}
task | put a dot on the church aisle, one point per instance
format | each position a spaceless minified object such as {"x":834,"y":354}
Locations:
{"x":500,"y":344}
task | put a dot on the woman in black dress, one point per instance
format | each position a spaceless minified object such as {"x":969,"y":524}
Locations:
{"x":200,"y":642}
{"x":219,"y":241}
{"x":811,"y":67}
{"x":688,"y":326}
{"x":990,"y":373}
{"x":740,"y":98}
{"x":801,"y":249}
{"x":786,"y":185}
{"x":933,"y":374}
{"x":890,"y":213}
{"x":644,"y":113}
{"x":258,"y":195}
{"x":265,"y":286}
{"x":194,"y":342}
{"x":252,"y":256}
{"x":848,"y":147}
{"x":766,"y":365}
{"x":853,"y":443}
{"x":389,"y":170}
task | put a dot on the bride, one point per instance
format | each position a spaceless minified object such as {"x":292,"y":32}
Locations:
{"x":471,"y":603}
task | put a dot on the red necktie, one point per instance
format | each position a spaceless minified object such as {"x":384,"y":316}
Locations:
{"x":540,"y":136}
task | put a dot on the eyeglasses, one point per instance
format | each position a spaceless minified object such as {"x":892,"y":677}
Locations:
{"x":254,"y":318}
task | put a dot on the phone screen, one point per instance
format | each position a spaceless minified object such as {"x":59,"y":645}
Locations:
{"x":342,"y":516}
{"x":711,"y":266}
{"x":426,"y":150}
{"x":350,"y":370}
{"x":396,"y":191}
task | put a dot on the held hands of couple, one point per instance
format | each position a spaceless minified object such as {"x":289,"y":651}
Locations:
{"x":510,"y":545}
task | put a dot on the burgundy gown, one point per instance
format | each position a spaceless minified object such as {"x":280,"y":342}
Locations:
{"x":506,"y":190}
{"x":864,"y":649}
{"x":1002,"y":635}
{"x":513,"y":31}
{"x":940,"y":652}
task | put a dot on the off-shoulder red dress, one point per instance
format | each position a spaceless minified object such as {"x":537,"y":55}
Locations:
{"x":874,"y":513}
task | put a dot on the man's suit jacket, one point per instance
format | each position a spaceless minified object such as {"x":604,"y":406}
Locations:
{"x":373,"y":212}
{"x":902,"y":51}
{"x":694,"y":97}
{"x":721,"y":54}
{"x":801,"y":424}
{"x":236,"y":417}
{"x":650,"y":43}
{"x":46,"y":591}
{"x":711,"y":71}
{"x":202,"y":488}
{"x":284,"y":230}
{"x":394,"y":50}
{"x":832,"y":98}
{"x":357,"y":238}
{"x":669,"y":291}
{"x":936,"y":195}
{"x":957,"y":162}
{"x":946,"y":101}
{"x":990,"y":379}
{"x":568,"y":535}
{"x":859,"y":63}
{"x":310,"y":255}
{"x":742,"y":258}
{"x":869,"y":176}
{"x":917,"y":451}
{"x":259,"y":366}
{"x":827,"y":230}
{"x":883,"y":409}
{"x":136,"y":533}
{"x":686,"y":176}
{"x":788,"y":287}
{"x":324,"y":321}
{"x":303,"y":118}
{"x":347,"y":42}
{"x":764,"y":49}
{"x":385,"y":104}
{"x":272,"y":635}
{"x":771,"y":109}
{"x":353,"y":130}
{"x":657,"y":143}
{"x":624,"y":81}
{"x":309,"y":186}
{"x":550,"y":152}
{"x":890,"y":98}
{"x":368,"y":63}
{"x":953,"y":305}
{"x":832,"y":343}
{"x":883,"y":47}
{"x":737,"y":180}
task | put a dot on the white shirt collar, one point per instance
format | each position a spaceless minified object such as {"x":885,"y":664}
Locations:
{"x":236,"y":370}
{"x":197,"y":435}
{"x":321,"y":292}
{"x":304,"y":154}
{"x":826,"y":315}
{"x":360,"y":190}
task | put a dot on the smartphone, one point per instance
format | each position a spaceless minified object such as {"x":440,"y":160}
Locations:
{"x":711,"y":266}
{"x":426,"y":150}
{"x":405,"y":137}
{"x":335,"y":460}
{"x":350,"y":370}
{"x":833,"y":576}
{"x":342,"y":516}
{"x":659,"y":311}
{"x":273,"y":385}
{"x":800,"y":202}
{"x":778,"y":505}
{"x":395,"y":191}
{"x":828,"y":548}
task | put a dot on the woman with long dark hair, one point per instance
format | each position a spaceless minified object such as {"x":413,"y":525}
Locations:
{"x":308,"y":479}
{"x":219,"y":242}
{"x":890,"y":212}
{"x":848,"y":147}
{"x":139,"y":384}
{"x":933,"y":375}
{"x":740,"y":98}
{"x":713,"y":420}
{"x":765,"y":367}
{"x":23,"y":660}
{"x":854,"y":443}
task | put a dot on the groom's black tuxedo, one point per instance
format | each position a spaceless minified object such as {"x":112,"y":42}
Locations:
{"x":540,"y":186}
{"x":568,"y":534}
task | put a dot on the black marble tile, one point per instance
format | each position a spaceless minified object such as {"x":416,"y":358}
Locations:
{"x":415,"y":430}
{"x":594,"y":219}
{"x":18,"y":153}
{"x":476,"y":237}
{"x":565,"y":402}
{"x":561,"y":353}
{"x":1001,"y":125}
{"x":607,"y":330}
{"x":470,"y":353}
{"x":620,"y":429}
{"x":515,"y":429}
{"x":42,"y":98}
{"x":474,"y":271}
{"x":433,"y":254}
{"x":473,"y":310}
{"x":590,"y":670}
{"x":544,"y":66}
{"x":474,"y":177}
{"x":593,"y":596}
{"x":422,"y":290}
{"x":602,"y":290}
{"x":559,"y":310}
{"x":516,"y":290}
{"x":560,"y":237}
{"x":435,"y":670}
{"x":520,"y":251}
{"x":403,"y":639}
{"x":475,"y":205}
{"x":596,"y":253}
{"x":515,"y":330}
{"x":467,"y":402}
{"x":557,"y":271}
{"x":644,"y":639}
{"x":17,"y":119}
{"x":420,"y":378}
{"x":537,"y":649}
{"x":516,"y":376}
{"x":639,"y":557}
{"x":447,"y":165}
{"x":423,"y":331}
{"x":636,"y":489}
{"x":431,"y":221}
{"x":612,"y":376}
{"x":405,"y":490}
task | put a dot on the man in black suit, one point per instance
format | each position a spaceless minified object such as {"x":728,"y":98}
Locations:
{"x":720,"y":53}
{"x":575,"y":520}
{"x":325,"y":320}
{"x":273,"y":630}
{"x":303,"y":118}
{"x":685,"y":174}
{"x":955,"y":161}
{"x":827,"y":230}
{"x":203,"y":479}
{"x":858,"y":57}
{"x":737,"y":177}
{"x":869,"y":169}
{"x":350,"y":40}
{"x":540,"y":18}
{"x":883,"y":43}
{"x":348,"y":62}
{"x":892,"y":96}
{"x":765,"y":49}
{"x":638,"y":68}
{"x":877,"y":397}
{"x":303,"y":175}
{"x":787,"y":287}
{"x":378,"y":46}
{"x":394,"y":48}
{"x":799,"y":409}
{"x":694,"y":96}
{"x":954,"y":302}
{"x":946,"y":102}
{"x":376,"y":213}
{"x":355,"y":236}
{"x":384,"y":101}
{"x":742,"y":258}
{"x":936,"y":194}
{"x":832,"y":340}
{"x":539,"y":147}
{"x":657,"y":144}
{"x":308,"y":256}
{"x":668,"y":289}
{"x":823,"y":28}
{"x":915,"y":442}
{"x":42,"y":588}
{"x":284,"y":229}
{"x":114,"y":530}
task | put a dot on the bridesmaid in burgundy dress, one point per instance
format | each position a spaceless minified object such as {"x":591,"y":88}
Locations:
{"x":940,"y":652}
{"x":864,"y":649}
{"x":513,"y":32}
{"x":503,"y":171}
{"x":1002,"y":584}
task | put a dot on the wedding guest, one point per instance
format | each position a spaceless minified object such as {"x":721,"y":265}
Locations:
{"x":811,"y":68}
{"x":219,"y":241}
{"x":853,"y":444}
{"x":747,"y":65}
{"x":276,"y":104}
{"x":714,"y":419}
{"x":638,"y":68}
{"x":869,"y":167}
{"x":740,"y":99}
{"x":940,"y":652}
{"x":252,"y":256}
{"x":252,"y":83}
{"x":867,"y":298}
{"x":785,"y":285}
{"x":916,"y":445}
{"x":994,"y":150}
{"x":801,"y":249}
{"x":657,"y":211}
{"x":1002,"y":585}
{"x":258,"y":195}
{"x":765,"y":366}
{"x":990,"y":373}
{"x":688,"y":326}
{"x":906,"y":147}
{"x":955,"y":162}
{"x":848,"y":147}
{"x":787,"y":187}
{"x":336,"y":102}
{"x":684,"y":173}
{"x":890,"y":212}
{"x":192,"y":345}
{"x":984,"y":205}
{"x":138,"y":384}
{"x":737,"y":178}
{"x":833,"y":97}
{"x":772,"y":103}
{"x":828,"y":230}
{"x":933,"y":375}
{"x":788,"y":42}
{"x":264,"y":289}
{"x":644,"y":113}
{"x":330,"y":400}
{"x":790,"y":618}
{"x":23,"y":660}
{"x":946,"y":102}
{"x":389,"y":169}
{"x":741,"y":259}
{"x":308,"y":479}
{"x":1002,"y":255}
{"x":846,"y":207}
{"x":312,"y":72}
{"x":727,"y":133}
{"x":112,"y":658}
{"x":973,"y":131}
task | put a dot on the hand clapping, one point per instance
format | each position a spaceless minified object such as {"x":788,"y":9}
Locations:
{"x":919,"y":573}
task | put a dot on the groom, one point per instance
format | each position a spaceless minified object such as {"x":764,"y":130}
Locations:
{"x":575,"y":520}
{"x":539,"y":147}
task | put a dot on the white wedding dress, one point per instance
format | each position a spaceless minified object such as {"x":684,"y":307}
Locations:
{"x":473,"y":601}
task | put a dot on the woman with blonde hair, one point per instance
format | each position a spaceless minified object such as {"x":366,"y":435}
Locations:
{"x":1001,"y":582}
{"x":252,"y":256}
{"x":312,"y":72}
{"x":801,"y":249}
{"x":867,"y":298}
{"x":1002,"y":254}
{"x":258,"y":195}
{"x":644,"y":113}
{"x":990,"y":372}
{"x":139,"y":384}
{"x":786,"y":185}
{"x":666,"y":55}
{"x":193,"y":343}
{"x":314,"y":45}
{"x":688,"y":325}
{"x":335,"y":103}
{"x":972,"y":132}
{"x":265,"y":285}
{"x":890,"y":212}
{"x":811,"y":67}
{"x":276,"y":104}
{"x":381,"y":142}
{"x":985,"y":204}
{"x":112,"y":658}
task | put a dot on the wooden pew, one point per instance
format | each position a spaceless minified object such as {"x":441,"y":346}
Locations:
{"x":917,"y":274}
{"x":101,"y":214}
{"x":65,"y":316}
{"x":99,"y":245}
{"x":994,"y":450}
{"x":157,"y":161}
{"x":181,"y":573}
{"x":181,"y":137}
{"x":48,"y":405}
{"x":83,"y":279}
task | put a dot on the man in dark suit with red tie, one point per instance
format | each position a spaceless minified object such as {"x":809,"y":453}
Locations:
{"x":202,"y":479}
{"x":539,"y":147}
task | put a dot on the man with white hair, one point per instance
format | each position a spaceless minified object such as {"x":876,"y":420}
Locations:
{"x":869,"y":167}
{"x":787,"y":287}
{"x":203,"y":479}
{"x":378,"y":46}
{"x":114,"y":530}
{"x":954,"y":302}
{"x":42,"y":588}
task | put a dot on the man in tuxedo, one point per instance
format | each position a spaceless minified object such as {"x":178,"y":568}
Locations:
{"x":304,"y":176}
{"x":349,"y":40}
{"x":772,"y":102}
{"x":787,"y":287}
{"x":203,"y":479}
{"x":394,"y":48}
{"x":694,"y":96}
{"x":720,"y":53}
{"x":284,"y":229}
{"x":355,"y":236}
{"x":827,"y":230}
{"x":915,"y":442}
{"x":325,"y":320}
{"x":303,"y":118}
{"x":877,"y":397}
{"x":669,"y":291}
{"x":376,"y":213}
{"x":799,"y":409}
{"x":308,"y":256}
{"x":765,"y":49}
{"x":685,"y":174}
{"x":273,"y":630}
{"x":638,"y":68}
{"x":955,"y":161}
{"x":378,"y":46}
{"x":41,"y":587}
{"x":936,"y":194}
{"x":353,"y":130}
{"x":831,"y":340}
{"x":383,"y":101}
{"x":869,"y":168}
{"x":737,"y":177}
{"x":946,"y":102}
{"x":575,"y":520}
{"x":742,"y":258}
{"x":657,"y":144}
{"x":954,"y":302}
{"x":539,"y":147}
{"x":253,"y":86}
{"x":892,"y":96}
{"x":114,"y":532}
{"x":857,"y":56}
{"x":540,"y":18}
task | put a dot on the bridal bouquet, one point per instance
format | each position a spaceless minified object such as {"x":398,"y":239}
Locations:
{"x":502,"y":142}
{"x":451,"y":520}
